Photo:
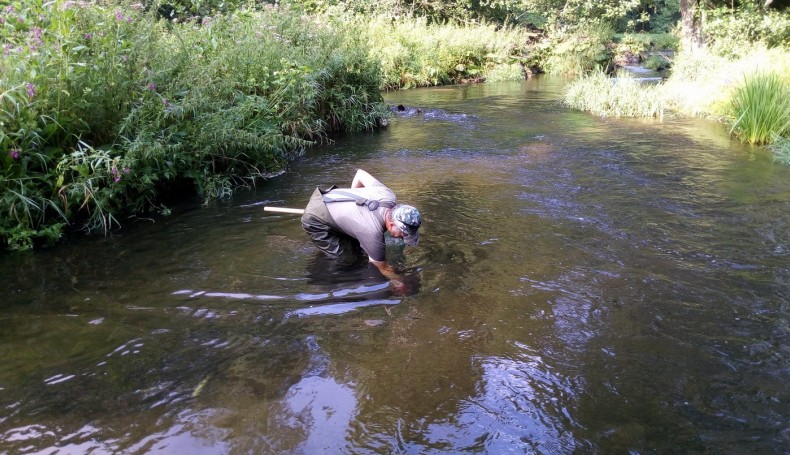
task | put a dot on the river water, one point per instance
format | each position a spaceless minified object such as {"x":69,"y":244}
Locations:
{"x":582,"y":285}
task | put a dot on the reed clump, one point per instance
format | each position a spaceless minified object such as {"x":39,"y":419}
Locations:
{"x":622,"y":96}
{"x":761,"y":108}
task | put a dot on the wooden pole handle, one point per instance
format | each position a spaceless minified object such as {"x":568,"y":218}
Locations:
{"x":283,"y":210}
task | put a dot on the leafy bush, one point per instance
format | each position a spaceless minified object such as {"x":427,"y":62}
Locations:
{"x":579,"y":50}
{"x":632,"y":43}
{"x":656,"y":62}
{"x":733,"y":33}
{"x":761,"y":108}
{"x":665,"y":41}
{"x":414,"y":53}
{"x":643,"y":42}
{"x":105,"y":108}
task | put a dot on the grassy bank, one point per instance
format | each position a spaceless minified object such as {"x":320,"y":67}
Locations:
{"x":106,"y":109}
{"x":750,"y":92}
{"x":741,"y":78}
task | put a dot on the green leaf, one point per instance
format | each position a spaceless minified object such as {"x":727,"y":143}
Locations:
{"x":82,"y":169}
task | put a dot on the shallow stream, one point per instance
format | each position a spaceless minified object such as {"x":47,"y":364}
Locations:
{"x":582,"y":285}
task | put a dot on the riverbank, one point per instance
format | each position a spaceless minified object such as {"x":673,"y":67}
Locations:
{"x":107,"y":109}
{"x":738,"y":78}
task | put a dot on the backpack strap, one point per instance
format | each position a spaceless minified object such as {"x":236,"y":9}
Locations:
{"x":344,"y":196}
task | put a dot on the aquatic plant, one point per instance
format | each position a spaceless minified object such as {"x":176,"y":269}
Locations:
{"x":622,"y":96}
{"x":761,"y":108}
{"x":780,"y":146}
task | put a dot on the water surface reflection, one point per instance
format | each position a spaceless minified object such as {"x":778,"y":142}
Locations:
{"x":581,"y":286}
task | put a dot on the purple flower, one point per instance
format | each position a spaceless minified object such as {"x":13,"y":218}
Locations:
{"x":152,"y":86}
{"x":126,"y":170}
{"x":36,"y":33}
{"x":88,"y":36}
{"x":14,"y":154}
{"x":116,"y":177}
{"x":10,"y":9}
{"x":118,"y":15}
{"x":31,"y":89}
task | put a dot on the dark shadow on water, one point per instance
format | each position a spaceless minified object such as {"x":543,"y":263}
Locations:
{"x":331,"y":274}
{"x":324,"y":270}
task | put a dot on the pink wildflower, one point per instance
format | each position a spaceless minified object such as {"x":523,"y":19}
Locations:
{"x":14,"y":154}
{"x":31,"y":89}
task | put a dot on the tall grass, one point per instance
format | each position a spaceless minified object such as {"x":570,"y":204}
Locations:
{"x":761,"y":108}
{"x":622,"y":96}
{"x":780,"y":146}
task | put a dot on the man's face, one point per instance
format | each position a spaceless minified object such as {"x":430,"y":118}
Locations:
{"x":394,"y":231}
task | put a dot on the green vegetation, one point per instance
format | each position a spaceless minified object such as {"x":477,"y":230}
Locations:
{"x":639,"y":43}
{"x":761,"y":108}
{"x":623,"y":96}
{"x":738,"y":76}
{"x":416,"y":53}
{"x":106,"y":109}
{"x":580,"y":50}
{"x":781,"y":149}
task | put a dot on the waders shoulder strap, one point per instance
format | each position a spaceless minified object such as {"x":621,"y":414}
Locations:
{"x":344,"y":196}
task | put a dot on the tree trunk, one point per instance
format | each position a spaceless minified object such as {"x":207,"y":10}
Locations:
{"x":691,"y":19}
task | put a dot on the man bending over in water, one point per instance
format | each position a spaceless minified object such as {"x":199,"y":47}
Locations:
{"x":343,"y":222}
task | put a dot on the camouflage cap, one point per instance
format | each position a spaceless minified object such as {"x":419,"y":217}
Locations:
{"x":408,"y":220}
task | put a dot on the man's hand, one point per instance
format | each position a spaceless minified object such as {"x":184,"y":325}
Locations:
{"x":399,"y":287}
{"x":390,"y":274}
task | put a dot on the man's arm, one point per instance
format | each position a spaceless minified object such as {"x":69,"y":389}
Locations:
{"x":363,"y":179}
